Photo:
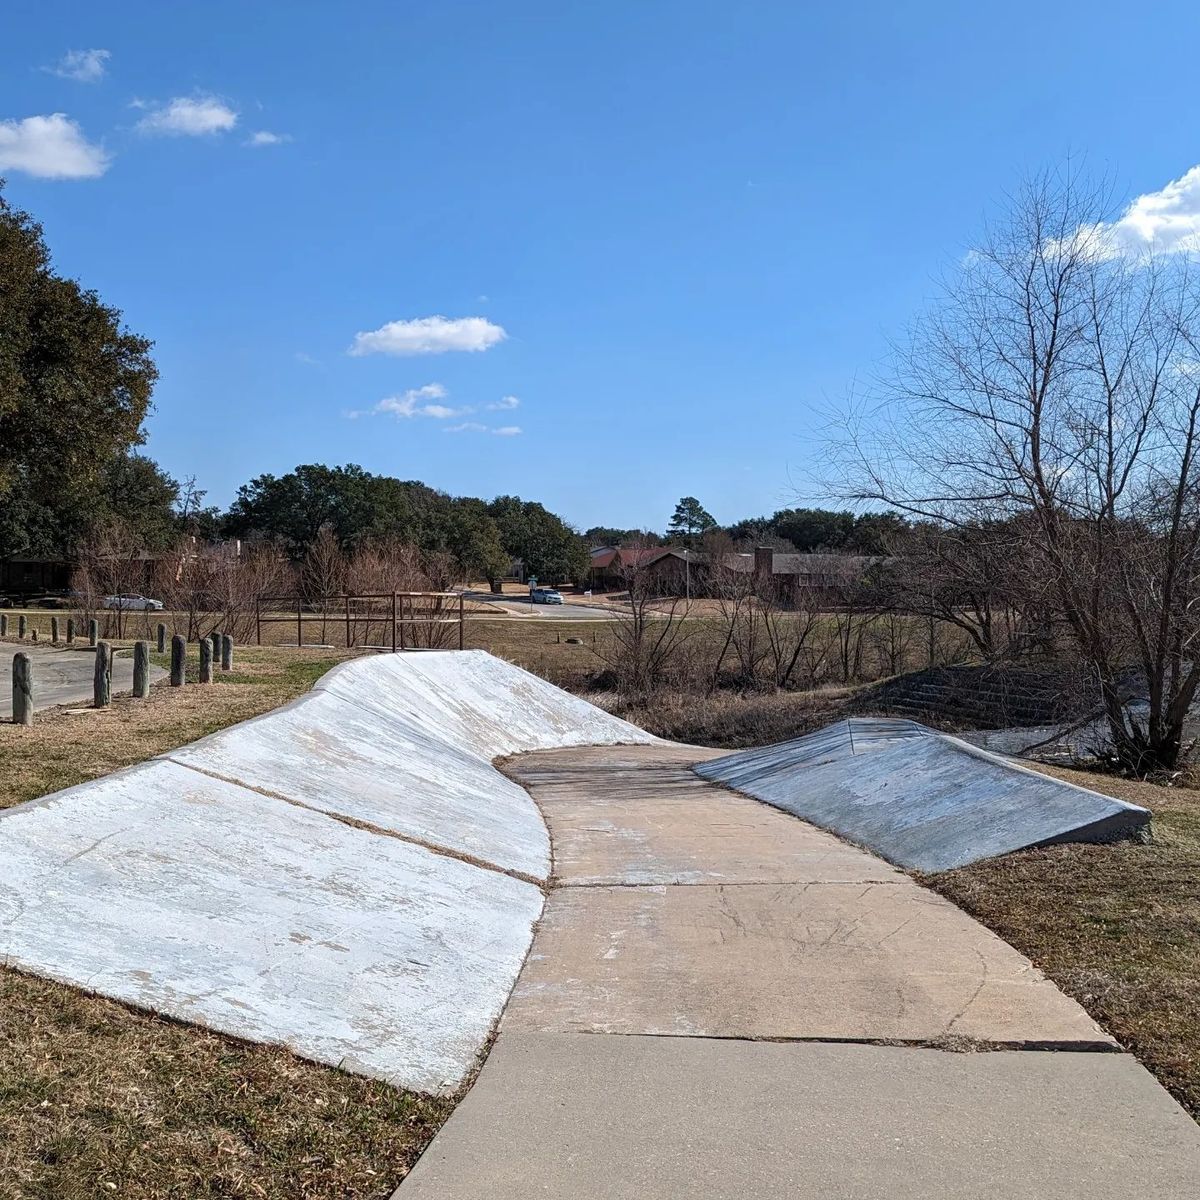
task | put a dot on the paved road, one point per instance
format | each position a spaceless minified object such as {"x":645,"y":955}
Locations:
{"x":62,"y":676}
{"x":724,"y":1001}
{"x":518,"y":606}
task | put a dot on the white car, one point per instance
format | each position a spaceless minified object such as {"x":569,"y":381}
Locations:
{"x":132,"y":601}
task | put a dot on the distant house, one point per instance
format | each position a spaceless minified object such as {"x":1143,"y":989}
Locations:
{"x":792,"y":577}
{"x":668,"y":566}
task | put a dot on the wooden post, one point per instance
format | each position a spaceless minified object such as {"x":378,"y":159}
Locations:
{"x":393,"y":622}
{"x":102,"y":678}
{"x":93,"y":631}
{"x":22,"y":626}
{"x":178,"y":660}
{"x":226,"y":652}
{"x":162,"y":638}
{"x":461,"y":614}
{"x":349,"y":635}
{"x":70,"y":631}
{"x":22,"y":689}
{"x":141,"y":670}
{"x":54,"y":630}
{"x":205,"y":660}
{"x":215,"y":638}
{"x":258,"y":620}
{"x":299,"y":625}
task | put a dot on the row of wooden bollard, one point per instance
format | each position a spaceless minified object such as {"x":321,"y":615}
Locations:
{"x":217,"y":648}
{"x":23,"y":630}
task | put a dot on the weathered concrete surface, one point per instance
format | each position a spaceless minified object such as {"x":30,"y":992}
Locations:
{"x":565,"y":1109}
{"x":477,"y":702}
{"x":62,"y":676}
{"x":652,"y":821}
{"x":819,"y":960}
{"x":608,"y":1118}
{"x":215,"y":884}
{"x":327,"y":752}
{"x":211,"y":903}
{"x":796,"y":935}
{"x":920,"y":798}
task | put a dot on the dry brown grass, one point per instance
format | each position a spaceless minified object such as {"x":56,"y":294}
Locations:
{"x":731,"y":720}
{"x":67,"y":746}
{"x":1117,"y":927}
{"x":98,"y":1099}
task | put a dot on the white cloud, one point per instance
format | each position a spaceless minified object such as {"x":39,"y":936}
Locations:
{"x":428,"y":335}
{"x":84,"y":66}
{"x":264,"y":137}
{"x":1162,"y":222}
{"x":416,"y":402}
{"x":51,"y":147}
{"x":188,"y":116}
{"x":504,"y":404}
{"x":467,"y":427}
{"x":507,"y":431}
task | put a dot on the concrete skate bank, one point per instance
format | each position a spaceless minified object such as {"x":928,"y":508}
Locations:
{"x":724,"y":1001}
{"x":349,"y":875}
{"x":921,"y":798}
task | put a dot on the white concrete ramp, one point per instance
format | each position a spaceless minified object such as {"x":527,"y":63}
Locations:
{"x":920,"y":798}
{"x":349,"y":875}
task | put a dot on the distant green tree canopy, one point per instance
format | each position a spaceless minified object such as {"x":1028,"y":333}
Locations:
{"x":819,"y":529}
{"x":75,"y":387}
{"x":550,"y":549}
{"x":610,"y":535}
{"x":358,"y":506}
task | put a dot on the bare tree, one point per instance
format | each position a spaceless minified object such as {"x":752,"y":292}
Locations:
{"x":648,"y":636}
{"x":323,"y":572}
{"x":1057,"y":384}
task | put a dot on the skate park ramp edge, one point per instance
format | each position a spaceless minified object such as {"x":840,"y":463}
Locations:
{"x":921,"y":799}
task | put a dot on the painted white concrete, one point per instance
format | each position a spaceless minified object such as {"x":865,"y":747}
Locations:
{"x":182,"y":886}
{"x":331,"y":754}
{"x":475,"y":701}
{"x":214,"y":904}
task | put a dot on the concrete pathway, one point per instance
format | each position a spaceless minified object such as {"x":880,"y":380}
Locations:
{"x":62,"y":676}
{"x":722,"y":1000}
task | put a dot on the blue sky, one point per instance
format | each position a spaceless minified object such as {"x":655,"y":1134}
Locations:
{"x":666,"y":237}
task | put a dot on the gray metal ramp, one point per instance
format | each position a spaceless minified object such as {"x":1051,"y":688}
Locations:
{"x":920,"y":798}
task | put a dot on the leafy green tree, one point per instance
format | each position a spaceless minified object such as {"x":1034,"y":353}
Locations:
{"x":810,"y":529}
{"x":608,"y":535}
{"x":137,"y":492}
{"x":878,"y":533}
{"x":354,"y":503}
{"x":690,"y":519}
{"x":75,"y":387}
{"x":550,"y":549}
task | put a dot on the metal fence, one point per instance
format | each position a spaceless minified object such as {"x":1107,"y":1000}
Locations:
{"x":412,"y":620}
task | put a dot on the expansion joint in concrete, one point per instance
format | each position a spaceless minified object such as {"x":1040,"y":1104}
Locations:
{"x":367,"y":827}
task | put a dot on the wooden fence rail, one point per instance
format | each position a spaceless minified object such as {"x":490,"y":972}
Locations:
{"x":404,"y":612}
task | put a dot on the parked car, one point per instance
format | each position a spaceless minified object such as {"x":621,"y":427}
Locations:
{"x":132,"y":601}
{"x":543,"y":595}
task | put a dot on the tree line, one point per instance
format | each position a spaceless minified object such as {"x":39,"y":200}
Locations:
{"x":75,"y":391}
